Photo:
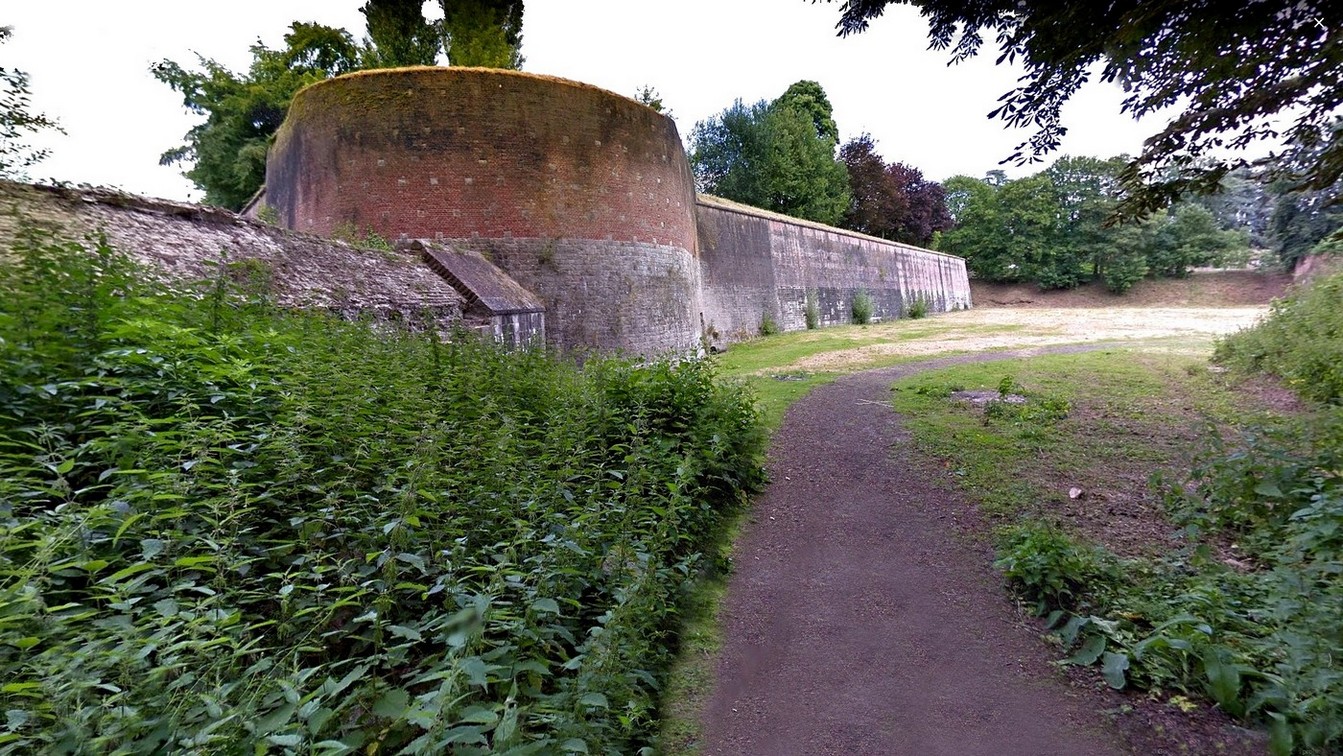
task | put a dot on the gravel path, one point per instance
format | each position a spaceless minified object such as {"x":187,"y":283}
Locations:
{"x":861,"y":619}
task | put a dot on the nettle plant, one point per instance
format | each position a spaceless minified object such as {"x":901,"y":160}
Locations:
{"x":229,"y":528}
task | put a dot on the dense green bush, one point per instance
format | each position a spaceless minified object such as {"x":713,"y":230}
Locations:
{"x":813,"y":311}
{"x":1301,"y":341}
{"x":229,"y":529}
{"x":918,"y":307}
{"x":768,"y":325}
{"x":862,"y":308}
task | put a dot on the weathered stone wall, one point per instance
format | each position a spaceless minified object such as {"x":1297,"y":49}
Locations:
{"x":584,"y":196}
{"x":188,"y":242}
{"x":605,"y":295}
{"x":756,"y":264}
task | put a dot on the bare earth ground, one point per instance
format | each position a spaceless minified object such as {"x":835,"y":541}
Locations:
{"x":1032,"y":327}
{"x":863,"y":615}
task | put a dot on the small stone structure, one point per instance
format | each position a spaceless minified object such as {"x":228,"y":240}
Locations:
{"x":510,"y":314}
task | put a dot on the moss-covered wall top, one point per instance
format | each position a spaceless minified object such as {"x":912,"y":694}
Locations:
{"x":463,"y":152}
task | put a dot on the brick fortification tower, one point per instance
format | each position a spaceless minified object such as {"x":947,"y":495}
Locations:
{"x":584,"y":197}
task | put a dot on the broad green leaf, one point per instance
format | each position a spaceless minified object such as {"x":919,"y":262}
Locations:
{"x":392,"y":704}
{"x":1090,"y":651}
{"x":1113,"y":668}
{"x":1280,"y":738}
{"x":593,"y":699}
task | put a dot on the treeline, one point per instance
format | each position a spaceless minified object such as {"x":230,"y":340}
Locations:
{"x":780,"y":155}
{"x":1051,"y":229}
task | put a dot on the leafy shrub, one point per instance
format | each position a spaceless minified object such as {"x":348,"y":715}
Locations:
{"x":1301,"y":342}
{"x":1050,"y":569}
{"x":862,"y":308}
{"x":918,"y":308}
{"x":1122,"y":272}
{"x":813,"y":311}
{"x":225,"y":528}
{"x":768,"y":325}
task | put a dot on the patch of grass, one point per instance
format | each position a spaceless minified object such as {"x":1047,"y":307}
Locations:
{"x":780,"y":351}
{"x":1244,"y":610}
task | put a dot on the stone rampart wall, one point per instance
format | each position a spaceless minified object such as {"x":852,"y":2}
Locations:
{"x":756,"y":265}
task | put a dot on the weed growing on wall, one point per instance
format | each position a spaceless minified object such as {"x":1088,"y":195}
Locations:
{"x":862,"y":308}
{"x":225,"y":528}
{"x":768,"y":325}
{"x":813,"y":311}
{"x":918,"y":307}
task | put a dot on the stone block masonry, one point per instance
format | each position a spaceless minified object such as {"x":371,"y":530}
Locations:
{"x":755,"y":264}
{"x":584,"y":196}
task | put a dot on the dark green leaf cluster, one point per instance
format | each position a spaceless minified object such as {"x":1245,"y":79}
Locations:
{"x":1300,"y":342}
{"x":891,"y":200}
{"x":227,"y":151}
{"x":1050,"y":229}
{"x":1228,"y":72}
{"x":225,"y":528}
{"x":778,"y":155}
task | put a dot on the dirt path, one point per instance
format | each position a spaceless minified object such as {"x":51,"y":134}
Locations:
{"x":861,"y":620}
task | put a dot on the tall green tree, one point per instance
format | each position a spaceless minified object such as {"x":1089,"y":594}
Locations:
{"x":977,"y":233}
{"x":399,"y":34}
{"x":1087,"y":190}
{"x":1232,"y":69}
{"x":774,"y":155}
{"x":227,"y":151}
{"x":18,"y":122}
{"x":485,"y":33}
{"x":810,"y":98}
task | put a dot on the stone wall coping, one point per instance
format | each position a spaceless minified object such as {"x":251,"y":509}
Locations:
{"x":727,"y":205}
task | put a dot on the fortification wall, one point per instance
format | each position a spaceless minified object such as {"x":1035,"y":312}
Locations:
{"x":184,"y":243}
{"x":756,"y":264}
{"x":583,"y":196}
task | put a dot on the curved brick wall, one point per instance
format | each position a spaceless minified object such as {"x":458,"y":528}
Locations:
{"x":524,"y":168}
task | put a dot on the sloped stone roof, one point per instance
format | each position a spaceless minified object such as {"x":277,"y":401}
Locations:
{"x":478,"y":279}
{"x":186,"y":242}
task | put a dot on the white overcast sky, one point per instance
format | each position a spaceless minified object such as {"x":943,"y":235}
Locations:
{"x":89,"y":62}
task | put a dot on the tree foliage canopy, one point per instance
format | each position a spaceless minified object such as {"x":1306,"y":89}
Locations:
{"x":484,"y":33}
{"x":227,"y":151}
{"x":399,"y":34}
{"x":1231,"y":69}
{"x":18,"y":121}
{"x":1049,"y":229}
{"x":776,"y":155}
{"x":891,"y":201}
